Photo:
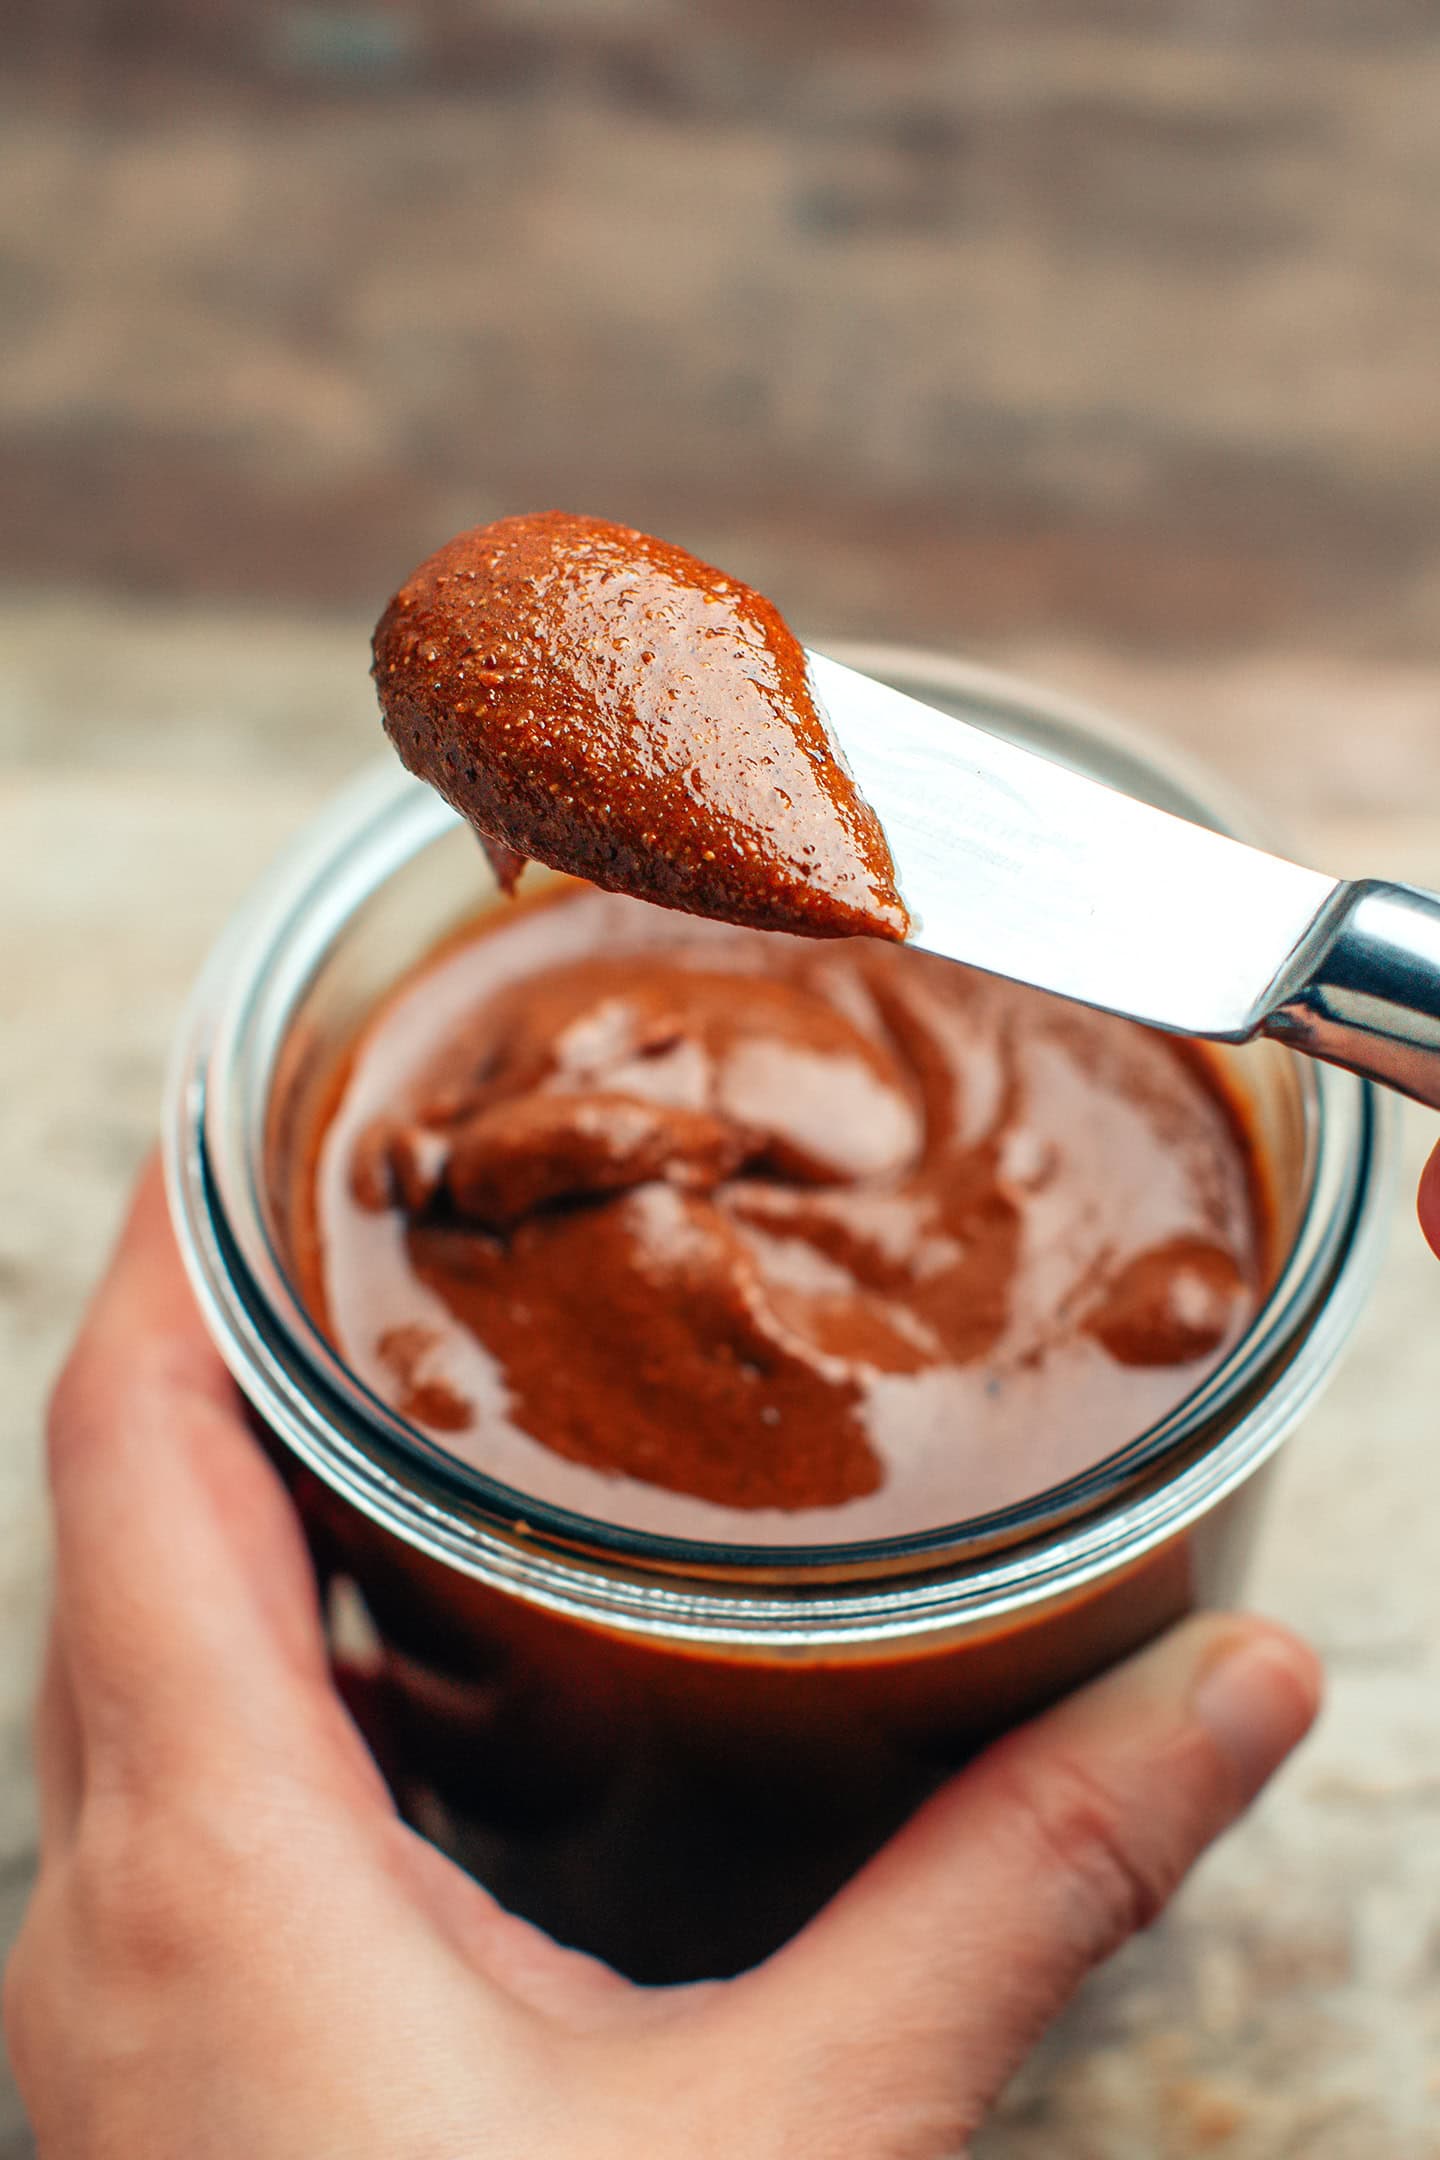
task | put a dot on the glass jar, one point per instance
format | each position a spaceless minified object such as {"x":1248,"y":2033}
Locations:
{"x":671,"y":1752}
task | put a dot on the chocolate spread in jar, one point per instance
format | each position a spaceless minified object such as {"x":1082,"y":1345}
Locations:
{"x":742,"y":1236}
{"x":613,"y":707}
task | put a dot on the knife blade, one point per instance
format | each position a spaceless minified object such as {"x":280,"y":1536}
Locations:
{"x":1017,"y":865}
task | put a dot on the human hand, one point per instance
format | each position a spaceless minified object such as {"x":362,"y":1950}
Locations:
{"x":236,"y":1948}
{"x":1430,"y":1201}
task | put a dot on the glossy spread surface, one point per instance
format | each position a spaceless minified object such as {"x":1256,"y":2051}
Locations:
{"x":614,"y":707}
{"x":731,"y":1235}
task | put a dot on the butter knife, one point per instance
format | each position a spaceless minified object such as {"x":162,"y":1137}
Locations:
{"x":1012,"y":863}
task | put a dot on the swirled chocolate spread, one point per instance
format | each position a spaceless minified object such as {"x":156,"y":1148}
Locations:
{"x":612,"y":706}
{"x":737,"y":1235}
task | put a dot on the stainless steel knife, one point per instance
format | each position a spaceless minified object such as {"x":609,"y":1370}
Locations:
{"x":1013,"y":863}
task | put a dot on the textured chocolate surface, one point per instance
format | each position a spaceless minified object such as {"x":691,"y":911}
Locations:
{"x":739,"y":1235}
{"x":609,"y":704}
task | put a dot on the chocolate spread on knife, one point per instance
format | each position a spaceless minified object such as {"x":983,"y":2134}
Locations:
{"x":743,"y":1236}
{"x":609,"y":705}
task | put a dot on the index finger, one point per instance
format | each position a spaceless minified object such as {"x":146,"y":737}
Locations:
{"x":190,"y":1610}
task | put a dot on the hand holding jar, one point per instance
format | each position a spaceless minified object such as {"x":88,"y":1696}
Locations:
{"x":237,"y":1947}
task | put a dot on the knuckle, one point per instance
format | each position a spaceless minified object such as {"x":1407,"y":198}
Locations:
{"x":1081,"y":1831}
{"x":137,"y":1898}
{"x":78,"y":1418}
{"x":72,"y":1419}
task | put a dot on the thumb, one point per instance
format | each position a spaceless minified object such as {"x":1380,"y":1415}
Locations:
{"x":943,"y":1961}
{"x":1430,"y":1200}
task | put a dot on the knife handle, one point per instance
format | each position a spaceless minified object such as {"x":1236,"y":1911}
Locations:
{"x":1364,"y":989}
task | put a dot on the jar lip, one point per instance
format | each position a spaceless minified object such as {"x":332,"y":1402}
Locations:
{"x":219,"y":1088}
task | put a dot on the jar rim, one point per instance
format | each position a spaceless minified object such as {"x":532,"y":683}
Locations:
{"x":1143,"y":1492}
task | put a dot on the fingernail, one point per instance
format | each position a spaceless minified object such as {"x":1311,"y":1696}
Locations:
{"x":1257,"y":1695}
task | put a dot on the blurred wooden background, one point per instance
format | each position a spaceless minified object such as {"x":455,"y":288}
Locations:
{"x":953,"y":318}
